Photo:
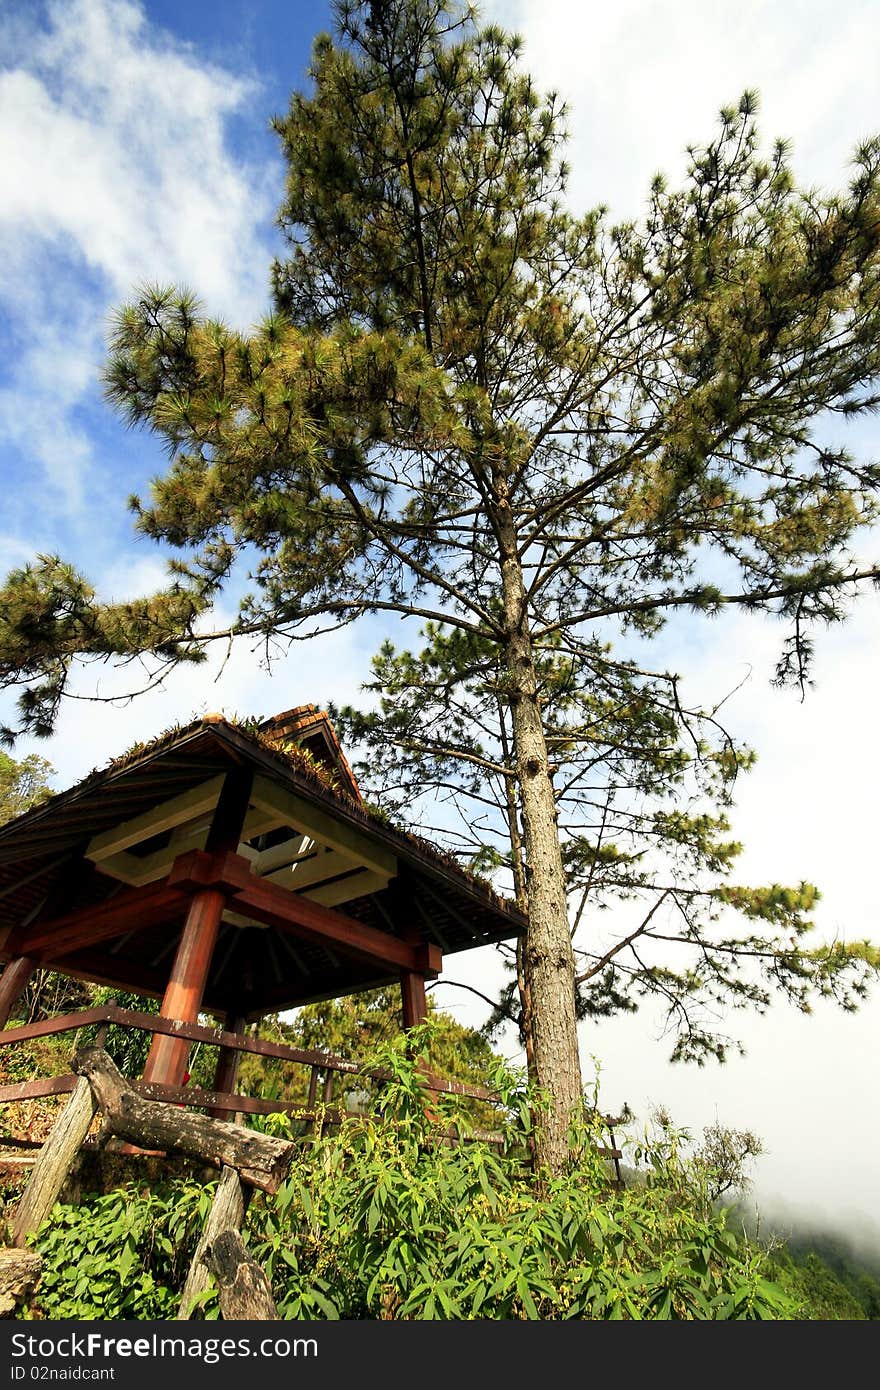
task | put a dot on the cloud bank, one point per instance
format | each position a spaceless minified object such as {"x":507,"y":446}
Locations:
{"x":119,"y":169}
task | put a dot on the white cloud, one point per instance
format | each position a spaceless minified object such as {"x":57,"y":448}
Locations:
{"x":644,"y":79}
{"x":114,"y":144}
{"x":117,"y":169}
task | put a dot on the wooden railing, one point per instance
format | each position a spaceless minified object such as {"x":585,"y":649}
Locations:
{"x":325,"y":1069}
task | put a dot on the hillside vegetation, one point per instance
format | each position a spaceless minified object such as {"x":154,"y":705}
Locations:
{"x":381,"y":1219}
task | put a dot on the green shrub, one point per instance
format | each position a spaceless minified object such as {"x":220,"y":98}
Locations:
{"x":124,"y":1255}
{"x":385,"y":1219}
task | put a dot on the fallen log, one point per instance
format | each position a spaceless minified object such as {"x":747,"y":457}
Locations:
{"x":245,"y":1292}
{"x":260,"y":1159}
{"x":227,"y":1213}
{"x":19,"y":1271}
{"x":54,"y":1162}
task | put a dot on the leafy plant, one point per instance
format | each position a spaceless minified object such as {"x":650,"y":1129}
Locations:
{"x":123,"y":1255}
{"x":386,"y":1219}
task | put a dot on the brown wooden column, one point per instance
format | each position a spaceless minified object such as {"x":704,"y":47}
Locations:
{"x":166,"y":1063}
{"x":13,"y":983}
{"x":227,"y":1063}
{"x":415,"y":1001}
{"x":415,"y":1011}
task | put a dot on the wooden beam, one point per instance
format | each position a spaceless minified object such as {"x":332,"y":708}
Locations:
{"x":36,"y":1090}
{"x":230,"y":813}
{"x":137,"y":870}
{"x":165,"y":816}
{"x":313,"y":922}
{"x":274,"y":906}
{"x":345,"y":890}
{"x":323,"y":826}
{"x":265,"y":861}
{"x":62,"y":1023}
{"x":321,"y":864}
{"x":228,"y":1103}
{"x":139,"y":907}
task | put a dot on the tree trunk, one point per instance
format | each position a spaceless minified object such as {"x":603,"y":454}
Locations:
{"x":245,"y":1292}
{"x":548,"y":956}
{"x":522,"y":902}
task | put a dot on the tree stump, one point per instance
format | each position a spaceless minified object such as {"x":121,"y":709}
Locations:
{"x":227,"y":1213}
{"x":245,"y":1292}
{"x":19,"y":1271}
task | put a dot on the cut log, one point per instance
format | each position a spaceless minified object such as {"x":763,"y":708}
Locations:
{"x":54,"y":1163}
{"x":19,"y":1271}
{"x":261,"y":1160}
{"x":245,"y":1292}
{"x":227,"y":1213}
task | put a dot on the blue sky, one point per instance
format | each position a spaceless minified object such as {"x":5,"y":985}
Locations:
{"x":135,"y":146}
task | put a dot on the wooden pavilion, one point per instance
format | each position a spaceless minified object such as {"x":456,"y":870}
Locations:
{"x":235,"y":871}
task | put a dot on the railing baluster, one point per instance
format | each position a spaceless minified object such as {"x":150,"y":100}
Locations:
{"x":313,"y":1088}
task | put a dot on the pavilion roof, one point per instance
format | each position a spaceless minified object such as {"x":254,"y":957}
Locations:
{"x":428,"y":893}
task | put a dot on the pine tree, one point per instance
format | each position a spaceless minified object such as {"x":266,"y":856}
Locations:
{"x":643,"y":784}
{"x":24,"y":783}
{"x":475,"y":408}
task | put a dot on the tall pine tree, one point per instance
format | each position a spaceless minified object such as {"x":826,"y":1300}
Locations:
{"x":474,"y":408}
{"x":643,"y":784}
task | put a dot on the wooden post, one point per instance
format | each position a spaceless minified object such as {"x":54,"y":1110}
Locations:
{"x":167,"y":1059}
{"x":54,"y":1162}
{"x":313,"y":1088}
{"x":415,"y":1001}
{"x":415,"y":1008}
{"x":13,"y":983}
{"x":227,"y":1213}
{"x":166,"y":1063}
{"x":228,"y":1062}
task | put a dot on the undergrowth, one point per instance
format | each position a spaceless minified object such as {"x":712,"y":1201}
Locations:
{"x":385,"y":1219}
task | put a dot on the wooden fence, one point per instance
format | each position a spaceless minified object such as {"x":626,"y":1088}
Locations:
{"x":325,"y":1070}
